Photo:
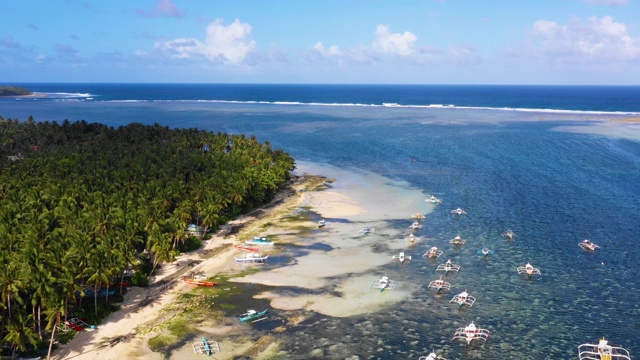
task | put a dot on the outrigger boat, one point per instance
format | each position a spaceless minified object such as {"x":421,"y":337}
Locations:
{"x":602,"y":351}
{"x":401,"y":257}
{"x":206,"y":347}
{"x":433,"y":253}
{"x":463,"y":299}
{"x":257,"y":240}
{"x":418,"y":217}
{"x":439,"y":285}
{"x":366,"y":230}
{"x":384,"y":283}
{"x":529,"y":270}
{"x":471,"y":332}
{"x":198,"y":280}
{"x":509,"y":234}
{"x":247,"y":248}
{"x":322,"y":223}
{"x":434,"y":200}
{"x":458,"y":211}
{"x":415,"y":226}
{"x":254,"y":258}
{"x":448,"y":266}
{"x":457,"y":241}
{"x":432,"y":356}
{"x":588,"y":245}
{"x":485,"y":252}
{"x":253,"y":316}
{"x":413,"y":238}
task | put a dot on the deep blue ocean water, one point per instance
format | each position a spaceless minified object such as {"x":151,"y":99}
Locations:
{"x":496,"y":150}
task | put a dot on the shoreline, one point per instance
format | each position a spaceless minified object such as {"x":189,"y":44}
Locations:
{"x":326,"y":283}
{"x":122,"y":334}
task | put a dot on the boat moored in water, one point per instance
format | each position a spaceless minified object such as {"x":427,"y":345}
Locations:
{"x":529,"y":270}
{"x":470,"y":333}
{"x":588,"y":245}
{"x":602,"y":351}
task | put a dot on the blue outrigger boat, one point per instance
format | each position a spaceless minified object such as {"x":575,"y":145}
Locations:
{"x":259,"y":241}
{"x":253,"y":316}
{"x":206,"y":347}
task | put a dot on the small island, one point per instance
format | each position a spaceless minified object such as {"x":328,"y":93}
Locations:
{"x":14,"y":91}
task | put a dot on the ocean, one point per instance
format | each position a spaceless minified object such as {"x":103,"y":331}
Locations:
{"x":557,"y":164}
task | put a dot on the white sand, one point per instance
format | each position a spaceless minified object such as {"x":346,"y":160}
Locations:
{"x":355,"y":200}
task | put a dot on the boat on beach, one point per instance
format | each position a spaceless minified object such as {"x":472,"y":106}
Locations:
{"x":247,"y":248}
{"x":206,"y":347}
{"x":253,"y":258}
{"x":198,"y":280}
{"x":257,"y":240}
{"x":253,"y":316}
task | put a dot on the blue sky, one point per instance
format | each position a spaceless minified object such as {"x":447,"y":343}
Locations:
{"x":329,"y":41}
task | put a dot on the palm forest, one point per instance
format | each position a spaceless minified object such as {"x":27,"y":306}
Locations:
{"x":82,"y":204}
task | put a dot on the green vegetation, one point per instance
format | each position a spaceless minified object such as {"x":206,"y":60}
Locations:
{"x":13,"y":91}
{"x":81,"y":202}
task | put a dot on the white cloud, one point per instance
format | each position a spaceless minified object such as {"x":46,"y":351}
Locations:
{"x":319,"y":51}
{"x":595,"y":39}
{"x":226,"y":43}
{"x":396,"y":44}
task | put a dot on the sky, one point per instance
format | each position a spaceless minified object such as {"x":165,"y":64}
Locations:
{"x":557,"y":42}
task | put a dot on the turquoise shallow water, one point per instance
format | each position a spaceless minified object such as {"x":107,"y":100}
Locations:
{"x":507,"y":169}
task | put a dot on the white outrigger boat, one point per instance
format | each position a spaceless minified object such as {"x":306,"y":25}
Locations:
{"x":413,"y":238}
{"x":471,"y":332}
{"x":529,"y":270}
{"x":415,"y":226}
{"x":602,"y":351}
{"x":485,"y":252}
{"x":322,"y":223}
{"x":457,"y":241}
{"x":439,"y":285}
{"x":458,"y":211}
{"x":463,"y":299}
{"x":433,"y":253}
{"x":366,"y":230}
{"x":401,"y":257}
{"x":588,"y":245}
{"x":432,"y":356}
{"x":434,"y":200}
{"x":253,"y":258}
{"x":257,"y":240}
{"x":509,"y":234}
{"x":384,"y":283}
{"x":448,"y":266}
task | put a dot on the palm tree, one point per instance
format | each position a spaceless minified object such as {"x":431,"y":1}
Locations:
{"x":19,"y":333}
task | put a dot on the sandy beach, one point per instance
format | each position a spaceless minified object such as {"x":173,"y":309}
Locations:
{"x":333,"y":279}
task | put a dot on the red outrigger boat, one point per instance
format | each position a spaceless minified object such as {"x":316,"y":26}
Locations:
{"x":198,"y":280}
{"x":247,"y":248}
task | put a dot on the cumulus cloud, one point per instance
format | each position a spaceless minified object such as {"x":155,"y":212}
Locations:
{"x":320,"y":51}
{"x":227,"y":43}
{"x":590,"y":39}
{"x":395,"y":44}
{"x":161,"y":8}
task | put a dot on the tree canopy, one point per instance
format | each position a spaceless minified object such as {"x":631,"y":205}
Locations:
{"x":81,"y":202}
{"x":14,"y":91}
